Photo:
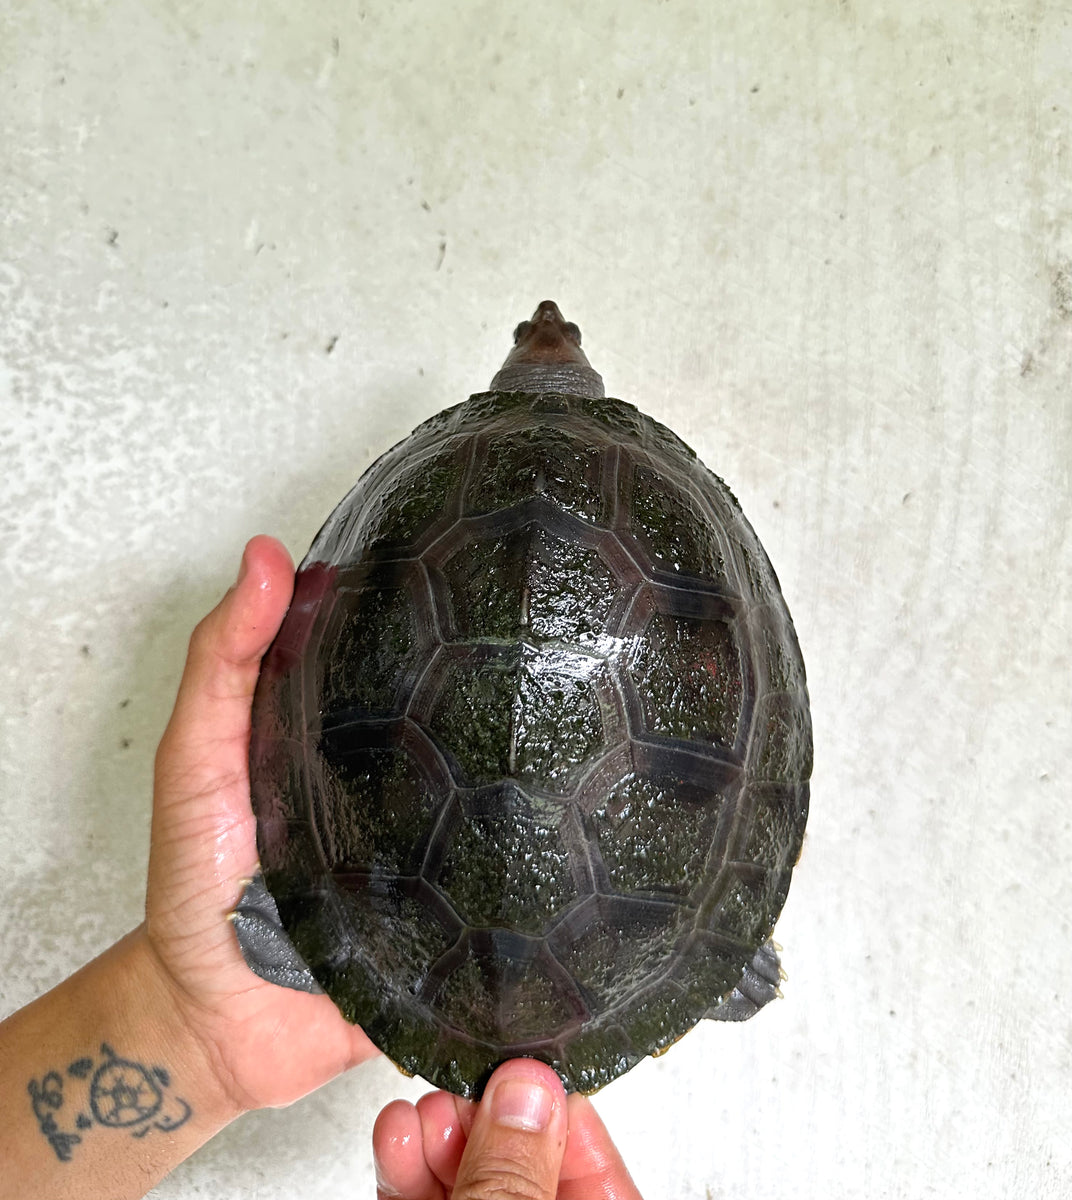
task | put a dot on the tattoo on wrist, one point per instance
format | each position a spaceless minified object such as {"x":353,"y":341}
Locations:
{"x":114,"y":1092}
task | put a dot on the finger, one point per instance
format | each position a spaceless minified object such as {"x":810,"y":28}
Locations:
{"x":514,"y":1149}
{"x":592,"y":1168}
{"x":398,"y":1152}
{"x":225,"y":651}
{"x":445,"y":1121}
{"x":201,"y":811}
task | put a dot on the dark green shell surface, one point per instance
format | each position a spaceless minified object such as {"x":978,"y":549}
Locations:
{"x":531,"y":750}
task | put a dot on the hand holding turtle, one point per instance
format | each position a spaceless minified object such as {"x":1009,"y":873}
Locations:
{"x":204,"y":850}
{"x":124,"y":1069}
{"x":144,"y":1054}
{"x":170,"y":1033}
{"x":203,"y":830}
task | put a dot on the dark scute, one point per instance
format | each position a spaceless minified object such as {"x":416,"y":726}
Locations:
{"x":654,"y":834}
{"x":487,"y":580}
{"x":778,"y":813}
{"x":598,"y":1054}
{"x":711,"y":969}
{"x":520,"y":713}
{"x":779,"y":667}
{"x":523,"y":851}
{"x":505,"y":994}
{"x":527,"y":461}
{"x":743,"y":908}
{"x":621,"y":422}
{"x":528,"y":583}
{"x":359,"y":831}
{"x":398,"y":936}
{"x":317,"y":928}
{"x":530,"y":752}
{"x":374,"y":638}
{"x":418,"y":494}
{"x":571,"y":592}
{"x":673,"y":529}
{"x":753,"y":570}
{"x":688,"y":675}
{"x":617,"y":947}
{"x":781,"y":744}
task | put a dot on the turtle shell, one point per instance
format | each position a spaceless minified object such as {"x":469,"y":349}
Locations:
{"x":531,"y":749}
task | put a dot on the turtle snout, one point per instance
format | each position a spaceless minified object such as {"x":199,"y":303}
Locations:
{"x":547,"y":310}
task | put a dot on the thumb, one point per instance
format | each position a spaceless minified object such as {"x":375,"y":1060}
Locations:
{"x":202,"y":837}
{"x":514,"y":1149}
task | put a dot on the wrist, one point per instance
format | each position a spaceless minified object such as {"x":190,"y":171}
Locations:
{"x":172,"y":1024}
{"x":106,"y":1084}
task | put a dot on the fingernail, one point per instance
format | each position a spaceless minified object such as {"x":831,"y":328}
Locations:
{"x":522,"y":1104}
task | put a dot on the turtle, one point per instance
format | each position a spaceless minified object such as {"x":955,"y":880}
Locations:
{"x":530,"y":754}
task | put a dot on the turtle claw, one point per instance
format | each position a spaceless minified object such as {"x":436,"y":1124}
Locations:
{"x":757,"y":987}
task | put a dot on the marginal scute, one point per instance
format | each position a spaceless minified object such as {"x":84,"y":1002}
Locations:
{"x":776,"y":654}
{"x":743,"y":911}
{"x":598,"y":1054}
{"x":623,"y":423}
{"x":776,"y":825}
{"x":781,"y":738}
{"x":707,"y":970}
{"x":530,"y":754}
{"x":287,"y":840}
{"x":754,"y":571}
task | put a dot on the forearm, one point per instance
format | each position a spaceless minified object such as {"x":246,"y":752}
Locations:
{"x":103,"y":1088}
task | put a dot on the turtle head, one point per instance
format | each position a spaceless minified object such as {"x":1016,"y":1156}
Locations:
{"x":547,"y":357}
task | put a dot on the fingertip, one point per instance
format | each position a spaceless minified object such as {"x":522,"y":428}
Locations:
{"x":525,"y":1094}
{"x":226,"y":648}
{"x":395,"y":1123}
{"x":257,"y":603}
{"x":589,"y":1142}
{"x":445,"y":1123}
{"x":518,"y":1135}
{"x":592,"y":1167}
{"x":266,"y":563}
{"x":398,"y":1154}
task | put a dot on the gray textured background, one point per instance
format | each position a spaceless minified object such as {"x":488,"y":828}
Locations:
{"x":244,"y":248}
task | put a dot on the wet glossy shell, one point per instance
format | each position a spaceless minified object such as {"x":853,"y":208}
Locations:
{"x":531,"y":751}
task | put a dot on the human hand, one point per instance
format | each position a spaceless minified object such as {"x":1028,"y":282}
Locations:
{"x":525,"y":1141}
{"x":180,"y":1036}
{"x":132,"y":1062}
{"x":270,"y":1044}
